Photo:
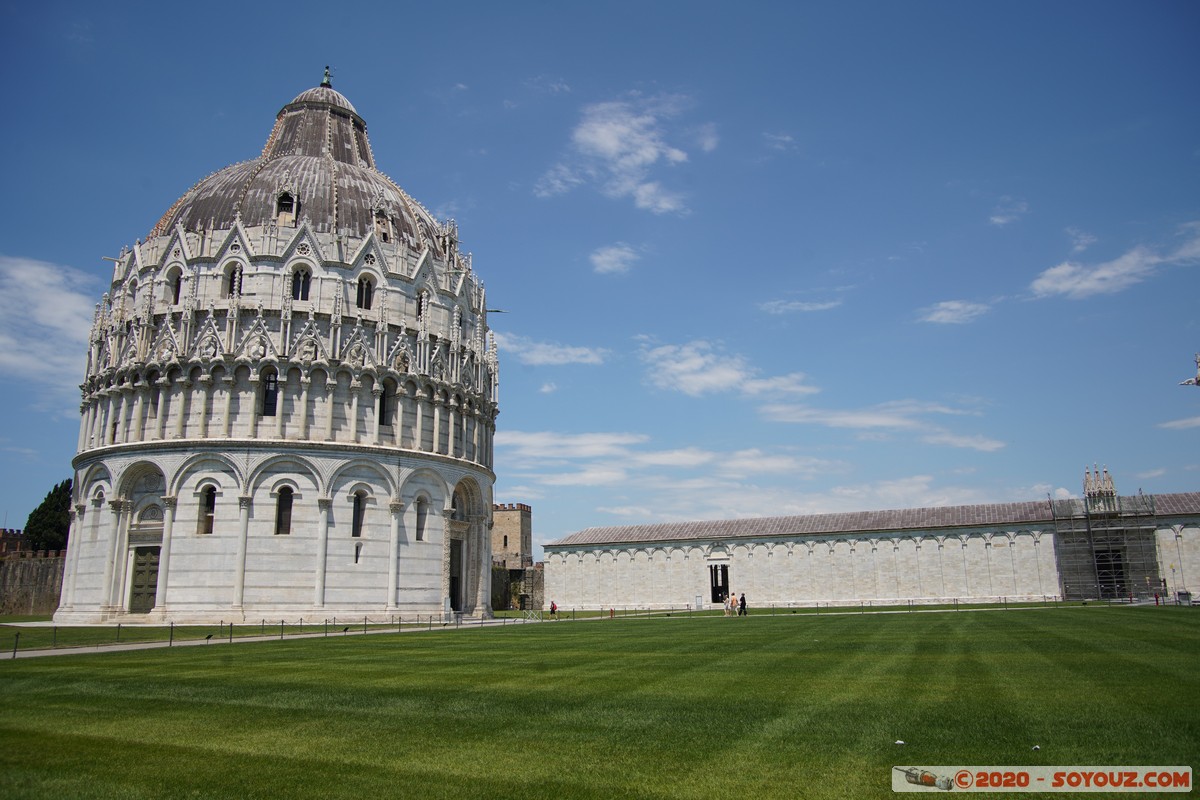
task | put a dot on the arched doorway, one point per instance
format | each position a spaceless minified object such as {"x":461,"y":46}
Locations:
{"x":468,"y":552}
{"x":143,"y":542}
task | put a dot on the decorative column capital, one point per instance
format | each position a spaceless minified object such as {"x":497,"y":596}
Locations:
{"x":395,"y":506}
{"x":324,"y":503}
{"x":170,"y":501}
{"x":244,"y":500}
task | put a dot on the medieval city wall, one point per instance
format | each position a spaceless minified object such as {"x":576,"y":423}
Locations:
{"x":30,"y":583}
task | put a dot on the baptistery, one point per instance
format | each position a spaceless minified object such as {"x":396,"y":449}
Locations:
{"x":289,"y":401}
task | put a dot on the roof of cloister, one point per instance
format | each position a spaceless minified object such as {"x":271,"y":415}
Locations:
{"x":904,"y":519}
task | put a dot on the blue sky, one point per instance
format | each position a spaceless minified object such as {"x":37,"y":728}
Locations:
{"x":757,"y":258}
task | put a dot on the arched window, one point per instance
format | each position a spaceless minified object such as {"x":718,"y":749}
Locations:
{"x":382,"y":228}
{"x":301,"y":281}
{"x":283,"y":511}
{"x":365,"y":289}
{"x":270,"y":396}
{"x":506,"y":542}
{"x":233,"y":287}
{"x":285,"y":209}
{"x":208,"y":509}
{"x":155,"y":392}
{"x":385,"y":405}
{"x":360,"y":510}
{"x":176,"y":287}
{"x":422,"y":514}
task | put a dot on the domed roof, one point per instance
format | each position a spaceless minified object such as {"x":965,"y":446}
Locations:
{"x":318,"y":162}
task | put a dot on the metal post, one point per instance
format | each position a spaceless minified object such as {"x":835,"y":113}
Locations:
{"x":171,"y":635}
{"x":118,"y":631}
{"x":16,"y":641}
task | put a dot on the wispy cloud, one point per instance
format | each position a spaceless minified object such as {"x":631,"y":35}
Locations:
{"x":700,"y":367}
{"x":1179,"y":424}
{"x":790,"y":306}
{"x":619,"y":144}
{"x":706,"y":137}
{"x":613,"y":258}
{"x":46,"y":312}
{"x":542,"y":445}
{"x":953,"y":312}
{"x":548,"y":85}
{"x":896,"y":415}
{"x":782,"y":142}
{"x":537,"y":354}
{"x":1008,"y":210}
{"x":1080,"y":240}
{"x":1077,"y":281}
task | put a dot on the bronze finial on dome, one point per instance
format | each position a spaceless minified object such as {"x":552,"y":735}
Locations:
{"x":328,"y":84}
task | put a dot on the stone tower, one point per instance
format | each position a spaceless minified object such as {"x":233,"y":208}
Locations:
{"x":512,"y":535}
{"x":290,"y":399}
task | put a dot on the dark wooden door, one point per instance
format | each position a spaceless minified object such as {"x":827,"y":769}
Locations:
{"x":145,"y":580}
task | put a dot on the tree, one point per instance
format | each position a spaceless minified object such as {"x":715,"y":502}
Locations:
{"x":49,"y":523}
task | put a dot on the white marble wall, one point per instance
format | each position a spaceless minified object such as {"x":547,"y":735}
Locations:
{"x":881,"y":569}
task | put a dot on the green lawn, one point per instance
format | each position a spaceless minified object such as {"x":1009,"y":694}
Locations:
{"x":669,"y":707}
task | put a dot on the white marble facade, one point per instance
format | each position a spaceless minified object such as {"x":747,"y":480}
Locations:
{"x":290,"y":400}
{"x":875,"y":558}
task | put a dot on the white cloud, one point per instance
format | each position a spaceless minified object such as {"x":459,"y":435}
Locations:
{"x":981,"y":443}
{"x":1151,"y":473}
{"x":1077,"y":281}
{"x":787,"y":306}
{"x":597,"y":475}
{"x":618,"y":144}
{"x":46,"y":313}
{"x":549,"y":387}
{"x":540,"y":445}
{"x":559,"y":179}
{"x":1008,"y":210}
{"x":698,"y":368}
{"x":684,"y":457}
{"x":873,"y":423}
{"x":953,"y":312}
{"x":613,"y":258}
{"x":792,"y":383}
{"x":694,"y":368}
{"x":548,"y":85}
{"x":706,"y":137}
{"x":780,"y":141}
{"x":538,"y":354}
{"x":1180,"y":424}
{"x":1080,"y":240}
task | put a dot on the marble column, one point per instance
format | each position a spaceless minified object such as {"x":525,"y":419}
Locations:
{"x":397,"y":510}
{"x":164,"y":553}
{"x":239,"y":576}
{"x":323,"y":505}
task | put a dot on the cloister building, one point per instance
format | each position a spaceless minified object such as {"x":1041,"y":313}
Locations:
{"x":1102,"y":546}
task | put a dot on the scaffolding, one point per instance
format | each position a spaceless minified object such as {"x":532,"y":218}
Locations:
{"x":1105,"y":544}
